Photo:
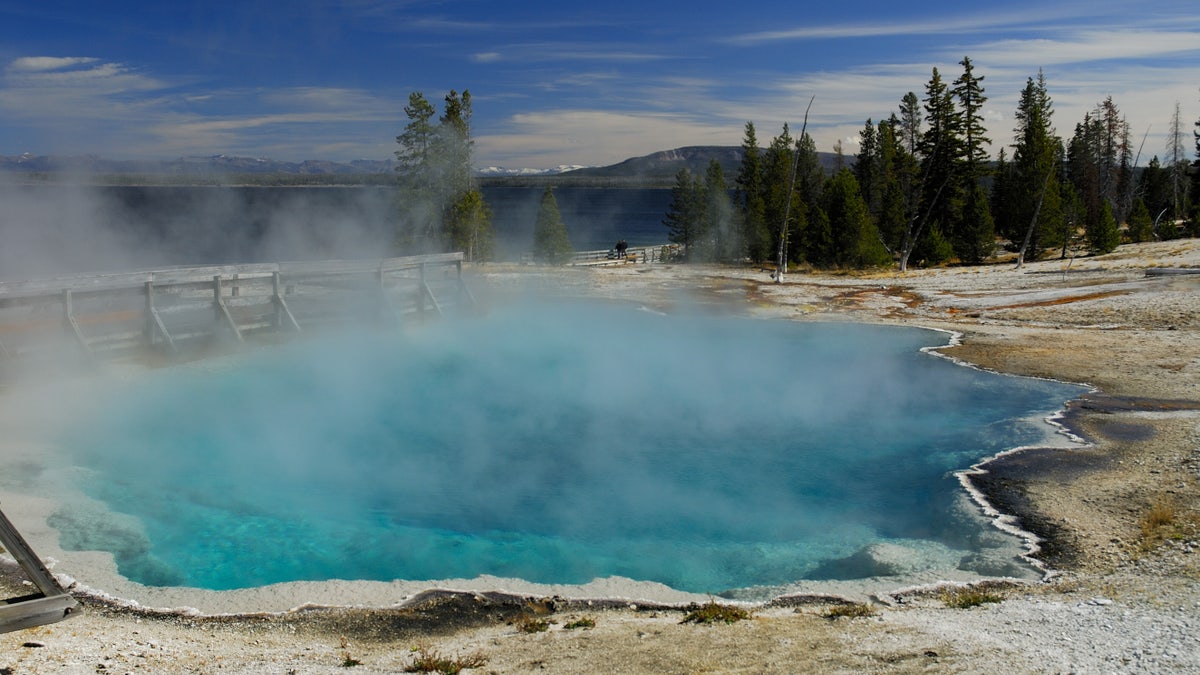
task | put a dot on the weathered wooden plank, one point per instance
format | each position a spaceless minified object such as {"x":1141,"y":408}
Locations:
{"x":43,"y":287}
{"x":408,"y":263}
{"x":50,"y":605}
{"x":205,"y":274}
{"x":36,"y":611}
{"x":171,"y":276}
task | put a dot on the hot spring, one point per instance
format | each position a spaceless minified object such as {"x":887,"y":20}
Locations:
{"x":557,"y":444}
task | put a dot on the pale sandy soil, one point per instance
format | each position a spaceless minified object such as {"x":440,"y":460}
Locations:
{"x":1121,"y":598}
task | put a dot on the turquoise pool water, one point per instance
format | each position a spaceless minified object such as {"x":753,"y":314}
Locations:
{"x":554,"y":444}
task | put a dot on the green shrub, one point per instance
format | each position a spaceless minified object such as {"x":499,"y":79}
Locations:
{"x":711,"y":612}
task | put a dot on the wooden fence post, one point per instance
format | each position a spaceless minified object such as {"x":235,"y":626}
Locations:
{"x":463,"y":289}
{"x":70,"y":322}
{"x":282,"y":313}
{"x":154,"y":322}
{"x":425,"y":293}
{"x":223,"y":311}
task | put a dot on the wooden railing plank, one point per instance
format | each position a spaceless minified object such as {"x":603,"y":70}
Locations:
{"x":169,"y":298}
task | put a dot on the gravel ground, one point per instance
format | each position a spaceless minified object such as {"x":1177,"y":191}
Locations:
{"x":1123,"y":596}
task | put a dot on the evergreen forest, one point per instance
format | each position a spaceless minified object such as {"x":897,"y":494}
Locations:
{"x":923,"y":191}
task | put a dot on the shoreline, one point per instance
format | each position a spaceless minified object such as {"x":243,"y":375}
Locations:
{"x":1123,"y":599}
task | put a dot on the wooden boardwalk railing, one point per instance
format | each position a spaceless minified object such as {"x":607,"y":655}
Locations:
{"x":167,"y":308}
{"x":642,"y":254}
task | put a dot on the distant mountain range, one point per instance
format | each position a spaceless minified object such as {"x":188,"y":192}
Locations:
{"x":212,"y":164}
{"x":658,"y":168}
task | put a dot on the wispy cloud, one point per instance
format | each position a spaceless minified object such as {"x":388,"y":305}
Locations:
{"x":40,"y":64}
{"x":83,"y":102}
{"x":86,"y":75}
{"x":564,"y":52}
{"x":1087,"y":46}
{"x":355,"y":122}
{"x":971,"y":23}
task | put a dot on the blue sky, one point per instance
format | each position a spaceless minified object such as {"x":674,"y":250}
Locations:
{"x":561,"y":82}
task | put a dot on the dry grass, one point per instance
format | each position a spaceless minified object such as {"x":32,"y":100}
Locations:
{"x":430,"y":661}
{"x":1165,"y":520}
{"x":711,"y":612}
{"x":963,"y":598}
{"x":850,"y":611}
{"x":1161,"y":513}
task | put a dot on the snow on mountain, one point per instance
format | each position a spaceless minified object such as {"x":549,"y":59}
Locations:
{"x":503,"y":171}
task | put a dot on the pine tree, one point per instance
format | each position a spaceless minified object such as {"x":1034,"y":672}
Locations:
{"x":941,"y":153}
{"x":756,"y":238}
{"x":441,"y":206}
{"x":1155,"y":188}
{"x":1004,"y":213}
{"x":973,"y":234}
{"x":1104,"y":236}
{"x":910,"y":123}
{"x":905,"y":219}
{"x":1074,"y":215}
{"x":685,"y":214}
{"x":416,"y":141}
{"x":1099,"y":163}
{"x":1141,"y":227}
{"x":818,"y":239}
{"x":778,"y":166}
{"x":976,"y":239}
{"x":1083,"y":168}
{"x":968,"y":90}
{"x":895,"y":171}
{"x":418,"y":202}
{"x":868,"y":167}
{"x":1032,"y":187}
{"x":810,"y":186}
{"x":469,"y":226}
{"x":550,"y":241}
{"x":454,"y":143}
{"x":856,"y":242}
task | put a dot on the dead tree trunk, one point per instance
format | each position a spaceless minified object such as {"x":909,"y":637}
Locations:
{"x":781,"y":255}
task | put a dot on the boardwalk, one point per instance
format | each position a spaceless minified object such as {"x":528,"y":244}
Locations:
{"x":170,"y":309}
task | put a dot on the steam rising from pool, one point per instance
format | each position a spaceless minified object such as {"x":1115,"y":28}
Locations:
{"x":557,"y":444}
